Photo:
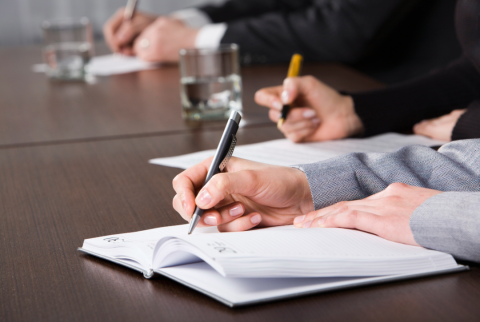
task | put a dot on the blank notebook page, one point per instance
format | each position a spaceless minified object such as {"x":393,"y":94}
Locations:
{"x":313,"y":242}
{"x":295,"y":252}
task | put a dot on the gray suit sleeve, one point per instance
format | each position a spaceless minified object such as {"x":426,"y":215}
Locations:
{"x":449,"y":222}
{"x":455,"y":167}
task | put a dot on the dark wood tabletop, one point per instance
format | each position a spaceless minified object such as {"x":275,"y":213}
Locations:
{"x":53,"y":197}
{"x":74,"y":165}
{"x":34,"y":110}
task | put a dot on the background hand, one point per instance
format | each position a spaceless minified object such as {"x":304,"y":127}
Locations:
{"x":162,"y":40}
{"x":247,"y":195}
{"x":321,"y":113}
{"x":119,"y":35}
{"x":386,"y":214}
{"x":439,"y":128}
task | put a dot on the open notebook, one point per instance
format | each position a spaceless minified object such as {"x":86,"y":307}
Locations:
{"x":266,"y":264}
{"x":286,"y":153}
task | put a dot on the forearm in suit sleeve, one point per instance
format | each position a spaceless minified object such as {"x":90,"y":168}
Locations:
{"x":449,"y":222}
{"x":455,"y":167}
{"x":322,"y":31}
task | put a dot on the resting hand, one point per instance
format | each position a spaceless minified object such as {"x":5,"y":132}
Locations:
{"x":247,"y":195}
{"x":439,"y":128}
{"x":163,"y":39}
{"x":321,"y":113}
{"x":385,"y":214}
{"x":119,"y":35}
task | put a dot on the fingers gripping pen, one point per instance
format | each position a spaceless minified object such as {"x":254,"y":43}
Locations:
{"x":222,"y":155}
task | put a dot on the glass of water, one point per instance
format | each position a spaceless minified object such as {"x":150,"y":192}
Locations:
{"x":68,"y":47}
{"x":211,"y":86}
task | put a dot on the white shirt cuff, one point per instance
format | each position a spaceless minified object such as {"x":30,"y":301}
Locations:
{"x":209,"y":36}
{"x":192,"y":17}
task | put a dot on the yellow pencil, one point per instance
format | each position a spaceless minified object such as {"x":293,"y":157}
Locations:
{"x":293,"y":71}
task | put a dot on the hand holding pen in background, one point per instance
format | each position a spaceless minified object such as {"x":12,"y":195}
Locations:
{"x":319,"y":112}
{"x":149,"y":37}
{"x":124,"y":26}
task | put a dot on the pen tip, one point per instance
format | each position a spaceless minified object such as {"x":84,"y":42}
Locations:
{"x":280,"y":123}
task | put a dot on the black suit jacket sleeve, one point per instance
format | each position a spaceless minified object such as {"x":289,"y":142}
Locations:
{"x":328,"y":30}
{"x":238,"y":9}
{"x":468,"y":125}
{"x":401,"y":106}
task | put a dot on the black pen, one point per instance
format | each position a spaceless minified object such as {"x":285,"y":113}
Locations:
{"x":224,"y":152}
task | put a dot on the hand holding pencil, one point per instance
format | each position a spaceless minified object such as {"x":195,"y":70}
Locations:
{"x":318,"y":112}
{"x":293,"y":71}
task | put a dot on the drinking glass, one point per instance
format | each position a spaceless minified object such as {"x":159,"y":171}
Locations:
{"x":211,"y":85}
{"x":68,"y":47}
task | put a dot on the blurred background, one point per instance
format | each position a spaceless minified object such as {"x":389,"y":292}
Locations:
{"x":20,"y":19}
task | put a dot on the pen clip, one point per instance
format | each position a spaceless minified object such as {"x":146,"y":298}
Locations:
{"x":229,"y":153}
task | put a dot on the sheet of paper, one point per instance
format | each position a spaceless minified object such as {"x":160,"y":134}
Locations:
{"x":284,"y":152}
{"x":117,"y":64}
{"x":108,"y":65}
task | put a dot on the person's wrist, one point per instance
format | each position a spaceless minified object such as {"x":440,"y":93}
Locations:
{"x":193,"y":37}
{"x":306,"y":203}
{"x":189,"y":40}
{"x":354,"y":125}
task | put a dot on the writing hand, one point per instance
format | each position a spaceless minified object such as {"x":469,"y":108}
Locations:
{"x":386,"y":214}
{"x":162,"y":40}
{"x":120,"y":34}
{"x":246,"y":195}
{"x":439,"y":128}
{"x":321,"y":113}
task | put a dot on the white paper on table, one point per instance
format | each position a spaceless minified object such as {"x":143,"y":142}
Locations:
{"x":117,"y":64}
{"x":286,"y":153}
{"x":109,"y":65}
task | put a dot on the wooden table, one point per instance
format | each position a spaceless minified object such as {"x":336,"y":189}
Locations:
{"x":60,"y":186}
{"x":34,"y":110}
